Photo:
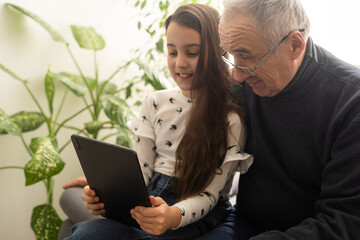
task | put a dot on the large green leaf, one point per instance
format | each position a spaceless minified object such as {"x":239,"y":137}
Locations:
{"x":45,"y":163}
{"x":88,"y":38}
{"x":150,"y":76}
{"x":129,"y":90}
{"x":124,"y":137}
{"x":54,"y":34}
{"x":115,"y":108}
{"x":79,"y":80}
{"x":78,"y":89}
{"x":28,"y":121}
{"x":110,"y":88}
{"x":36,"y":143}
{"x":160,"y":45}
{"x":164,"y":6}
{"x":45,"y":222}
{"x":93,"y":127}
{"x":50,"y":89}
{"x":11,"y":73}
{"x":8,"y":126}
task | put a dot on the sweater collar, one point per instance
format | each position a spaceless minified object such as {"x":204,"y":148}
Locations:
{"x":301,"y":77}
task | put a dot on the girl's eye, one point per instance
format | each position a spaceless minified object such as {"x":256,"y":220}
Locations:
{"x":172,"y":53}
{"x":193,"y":54}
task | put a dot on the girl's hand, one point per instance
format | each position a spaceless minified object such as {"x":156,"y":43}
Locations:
{"x":157,"y":219}
{"x":92,"y":201}
{"x":78,"y":182}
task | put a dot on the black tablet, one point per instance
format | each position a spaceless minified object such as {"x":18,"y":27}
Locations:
{"x":114,"y":173}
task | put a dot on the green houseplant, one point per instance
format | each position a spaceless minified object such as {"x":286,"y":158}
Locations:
{"x":98,"y":96}
{"x":45,"y":150}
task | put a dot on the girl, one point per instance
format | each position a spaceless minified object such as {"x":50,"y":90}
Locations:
{"x":189,"y":140}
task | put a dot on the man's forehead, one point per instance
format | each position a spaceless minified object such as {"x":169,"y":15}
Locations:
{"x":237,"y":29}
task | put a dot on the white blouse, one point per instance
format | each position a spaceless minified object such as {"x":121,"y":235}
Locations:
{"x":158,"y":131}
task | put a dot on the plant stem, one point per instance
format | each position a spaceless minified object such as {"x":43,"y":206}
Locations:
{"x":25,"y":145}
{"x":87,"y":104}
{"x":33,"y":97}
{"x":97,"y":106}
{"x":109,"y":135}
{"x":69,"y":118}
{"x":11,"y":167}
{"x":68,"y":142}
{"x":64,"y":146}
{"x":81,"y":73}
{"x":96,"y":68}
{"x":60,"y":107}
{"x":111,"y":77}
{"x":118,"y":70}
{"x":49,"y":184}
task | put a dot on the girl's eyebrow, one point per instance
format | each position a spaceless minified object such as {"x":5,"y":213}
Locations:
{"x":187,"y":45}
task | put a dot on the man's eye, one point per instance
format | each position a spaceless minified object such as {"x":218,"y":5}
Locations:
{"x":244,"y":57}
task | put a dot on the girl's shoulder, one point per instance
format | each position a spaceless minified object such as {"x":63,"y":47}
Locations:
{"x":171,"y":94}
{"x":165,"y":92}
{"x":234,"y":118}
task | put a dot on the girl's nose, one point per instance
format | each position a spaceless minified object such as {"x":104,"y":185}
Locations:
{"x":181,"y":61}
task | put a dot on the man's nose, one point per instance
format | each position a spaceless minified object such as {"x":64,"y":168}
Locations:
{"x":239,"y":75}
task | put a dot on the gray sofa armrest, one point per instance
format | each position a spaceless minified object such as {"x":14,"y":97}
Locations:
{"x":74,"y":207}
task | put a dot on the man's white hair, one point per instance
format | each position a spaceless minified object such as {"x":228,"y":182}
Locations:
{"x":273,"y":18}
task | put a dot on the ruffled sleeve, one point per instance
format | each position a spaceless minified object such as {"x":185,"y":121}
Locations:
{"x":236,"y":143}
{"x":144,"y":142}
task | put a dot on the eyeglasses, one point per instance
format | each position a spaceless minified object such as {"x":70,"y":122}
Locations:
{"x":251,"y":71}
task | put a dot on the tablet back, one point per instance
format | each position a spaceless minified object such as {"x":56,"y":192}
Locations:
{"x":115,"y":175}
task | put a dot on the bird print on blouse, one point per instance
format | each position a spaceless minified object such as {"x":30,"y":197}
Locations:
{"x":179,"y":110}
{"x":168,"y":143}
{"x":155,"y":105}
{"x":182,"y":212}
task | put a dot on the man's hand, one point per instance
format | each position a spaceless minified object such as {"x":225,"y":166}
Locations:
{"x":78,"y":182}
{"x":157,"y":219}
{"x":92,"y":201}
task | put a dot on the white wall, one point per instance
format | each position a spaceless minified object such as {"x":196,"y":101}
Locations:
{"x":28,"y":50}
{"x":335,"y":26}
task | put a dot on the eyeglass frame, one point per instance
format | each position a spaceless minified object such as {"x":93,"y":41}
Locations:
{"x":250,"y":71}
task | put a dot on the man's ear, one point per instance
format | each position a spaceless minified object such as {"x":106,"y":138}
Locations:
{"x":298,"y":44}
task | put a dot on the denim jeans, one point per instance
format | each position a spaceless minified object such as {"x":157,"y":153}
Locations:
{"x":159,"y":186}
{"x":234,"y":227}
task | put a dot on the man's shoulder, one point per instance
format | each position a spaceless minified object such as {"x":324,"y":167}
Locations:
{"x":335,"y":68}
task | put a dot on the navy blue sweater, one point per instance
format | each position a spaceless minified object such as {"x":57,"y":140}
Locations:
{"x":305,"y":180}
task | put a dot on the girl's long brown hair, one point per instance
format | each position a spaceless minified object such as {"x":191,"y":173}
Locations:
{"x":204,"y":143}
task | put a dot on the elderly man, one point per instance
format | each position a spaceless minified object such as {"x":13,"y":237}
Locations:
{"x":303,"y":112}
